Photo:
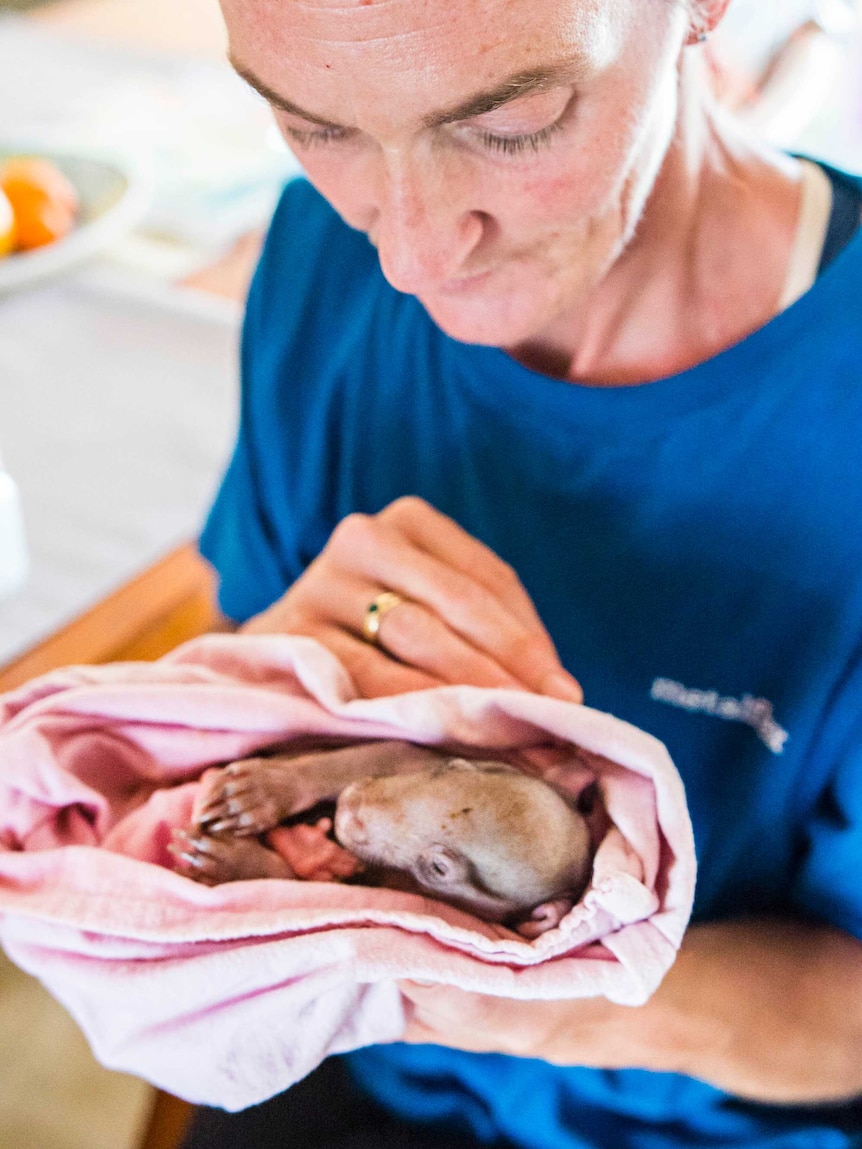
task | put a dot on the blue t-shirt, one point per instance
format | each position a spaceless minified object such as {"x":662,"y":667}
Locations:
{"x":694,"y":546}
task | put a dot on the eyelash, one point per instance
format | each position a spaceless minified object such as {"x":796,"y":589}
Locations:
{"x":507,"y":145}
{"x":320,"y":136}
{"x":515,"y":145}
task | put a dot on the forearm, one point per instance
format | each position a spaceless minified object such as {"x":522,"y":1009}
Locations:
{"x":323,"y":774}
{"x":765,"y":1009}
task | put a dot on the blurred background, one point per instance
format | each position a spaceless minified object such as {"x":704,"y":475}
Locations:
{"x":118,"y":380}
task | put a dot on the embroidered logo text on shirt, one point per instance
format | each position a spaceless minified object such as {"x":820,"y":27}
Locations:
{"x":754,"y":712}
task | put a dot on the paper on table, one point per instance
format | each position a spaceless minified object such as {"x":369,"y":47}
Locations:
{"x":117,"y":412}
{"x":13,"y":548}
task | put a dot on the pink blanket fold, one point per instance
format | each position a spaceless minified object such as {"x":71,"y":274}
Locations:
{"x":228,"y":995}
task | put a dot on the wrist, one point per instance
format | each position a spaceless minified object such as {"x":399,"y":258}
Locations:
{"x":670,"y":1033}
{"x":656,"y":1036}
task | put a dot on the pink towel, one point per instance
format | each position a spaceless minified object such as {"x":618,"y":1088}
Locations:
{"x":228,"y":995}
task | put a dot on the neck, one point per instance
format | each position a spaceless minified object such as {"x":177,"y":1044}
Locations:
{"x":705,"y":267}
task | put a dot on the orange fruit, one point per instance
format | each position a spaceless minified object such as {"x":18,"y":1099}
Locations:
{"x":7,"y":225}
{"x":43,"y":200}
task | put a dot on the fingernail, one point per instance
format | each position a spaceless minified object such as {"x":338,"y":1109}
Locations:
{"x":561,"y":685}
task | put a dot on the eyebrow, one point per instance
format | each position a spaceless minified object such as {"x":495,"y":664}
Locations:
{"x":515,"y":87}
{"x":274,"y":98}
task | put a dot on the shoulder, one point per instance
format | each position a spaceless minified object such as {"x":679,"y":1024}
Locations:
{"x":310,"y":255}
{"x":840,"y":175}
{"x":318,"y":301}
{"x":827,"y":319}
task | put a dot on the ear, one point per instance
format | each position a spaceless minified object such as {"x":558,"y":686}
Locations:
{"x":546,"y":916}
{"x":482,"y":765}
{"x":706,"y":15}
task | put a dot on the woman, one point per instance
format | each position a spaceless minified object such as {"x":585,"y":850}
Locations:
{"x":617,"y":340}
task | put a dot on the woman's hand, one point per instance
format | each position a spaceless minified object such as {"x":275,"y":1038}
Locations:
{"x":721,"y":1015}
{"x":590,"y":1032}
{"x":465,"y":617}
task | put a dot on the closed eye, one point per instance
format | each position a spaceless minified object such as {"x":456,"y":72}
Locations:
{"x":508,"y":145}
{"x":515,"y":145}
{"x":434,"y":869}
{"x":314,"y":136}
{"x":441,"y":866}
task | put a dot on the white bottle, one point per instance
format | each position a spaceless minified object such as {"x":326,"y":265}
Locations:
{"x":13,"y":547}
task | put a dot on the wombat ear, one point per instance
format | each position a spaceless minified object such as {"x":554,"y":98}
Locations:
{"x":482,"y":765}
{"x":546,"y":916}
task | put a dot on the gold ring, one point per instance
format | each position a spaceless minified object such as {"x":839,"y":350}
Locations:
{"x":375,"y":612}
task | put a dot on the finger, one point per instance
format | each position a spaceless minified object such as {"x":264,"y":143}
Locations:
{"x":332,"y":597}
{"x":235,"y":786}
{"x":196,"y":863}
{"x":416,"y":636}
{"x":193,"y":844}
{"x":443,"y":538}
{"x":444,"y":1015}
{"x":220,"y":808}
{"x":482,"y":1022}
{"x":328,"y":604}
{"x":213,"y":794}
{"x":224,"y":795}
{"x":232,"y":798}
{"x":244,"y":824}
{"x":438,"y":535}
{"x":467,"y":606}
{"x":375,"y":673}
{"x":443,"y":1003}
{"x":421,"y":530}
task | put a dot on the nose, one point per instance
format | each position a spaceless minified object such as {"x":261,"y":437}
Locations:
{"x":350,"y":829}
{"x":424,"y":234}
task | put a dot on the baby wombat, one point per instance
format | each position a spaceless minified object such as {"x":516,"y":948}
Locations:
{"x":481,"y":835}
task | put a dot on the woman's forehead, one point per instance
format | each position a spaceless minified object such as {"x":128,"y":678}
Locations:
{"x":421,"y":42}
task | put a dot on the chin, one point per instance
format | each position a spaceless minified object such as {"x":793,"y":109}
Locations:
{"x":487,"y":322}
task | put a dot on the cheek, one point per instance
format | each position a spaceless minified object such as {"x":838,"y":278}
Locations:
{"x":393,"y":834}
{"x":340,"y":174}
{"x":582,"y":181}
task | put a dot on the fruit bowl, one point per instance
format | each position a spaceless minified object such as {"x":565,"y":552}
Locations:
{"x":113,"y":197}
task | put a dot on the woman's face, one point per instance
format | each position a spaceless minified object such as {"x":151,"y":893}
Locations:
{"x":498,"y":153}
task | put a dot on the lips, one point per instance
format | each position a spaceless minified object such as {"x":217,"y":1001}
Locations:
{"x":465,"y":283}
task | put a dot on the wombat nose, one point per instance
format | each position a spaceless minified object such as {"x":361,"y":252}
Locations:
{"x":350,"y":830}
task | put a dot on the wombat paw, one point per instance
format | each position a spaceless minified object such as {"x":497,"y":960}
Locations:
{"x":546,"y":916}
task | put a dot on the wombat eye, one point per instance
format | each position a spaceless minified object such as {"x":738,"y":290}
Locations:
{"x":438,"y":864}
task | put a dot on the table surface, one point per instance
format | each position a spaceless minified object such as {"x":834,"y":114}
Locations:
{"x":117,"y":415}
{"x":137,"y":607}
{"x":118,"y":393}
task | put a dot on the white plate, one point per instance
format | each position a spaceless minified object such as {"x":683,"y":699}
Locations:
{"x":114,"y":197}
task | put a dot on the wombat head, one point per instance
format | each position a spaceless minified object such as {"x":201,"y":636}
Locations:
{"x":481,"y":835}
